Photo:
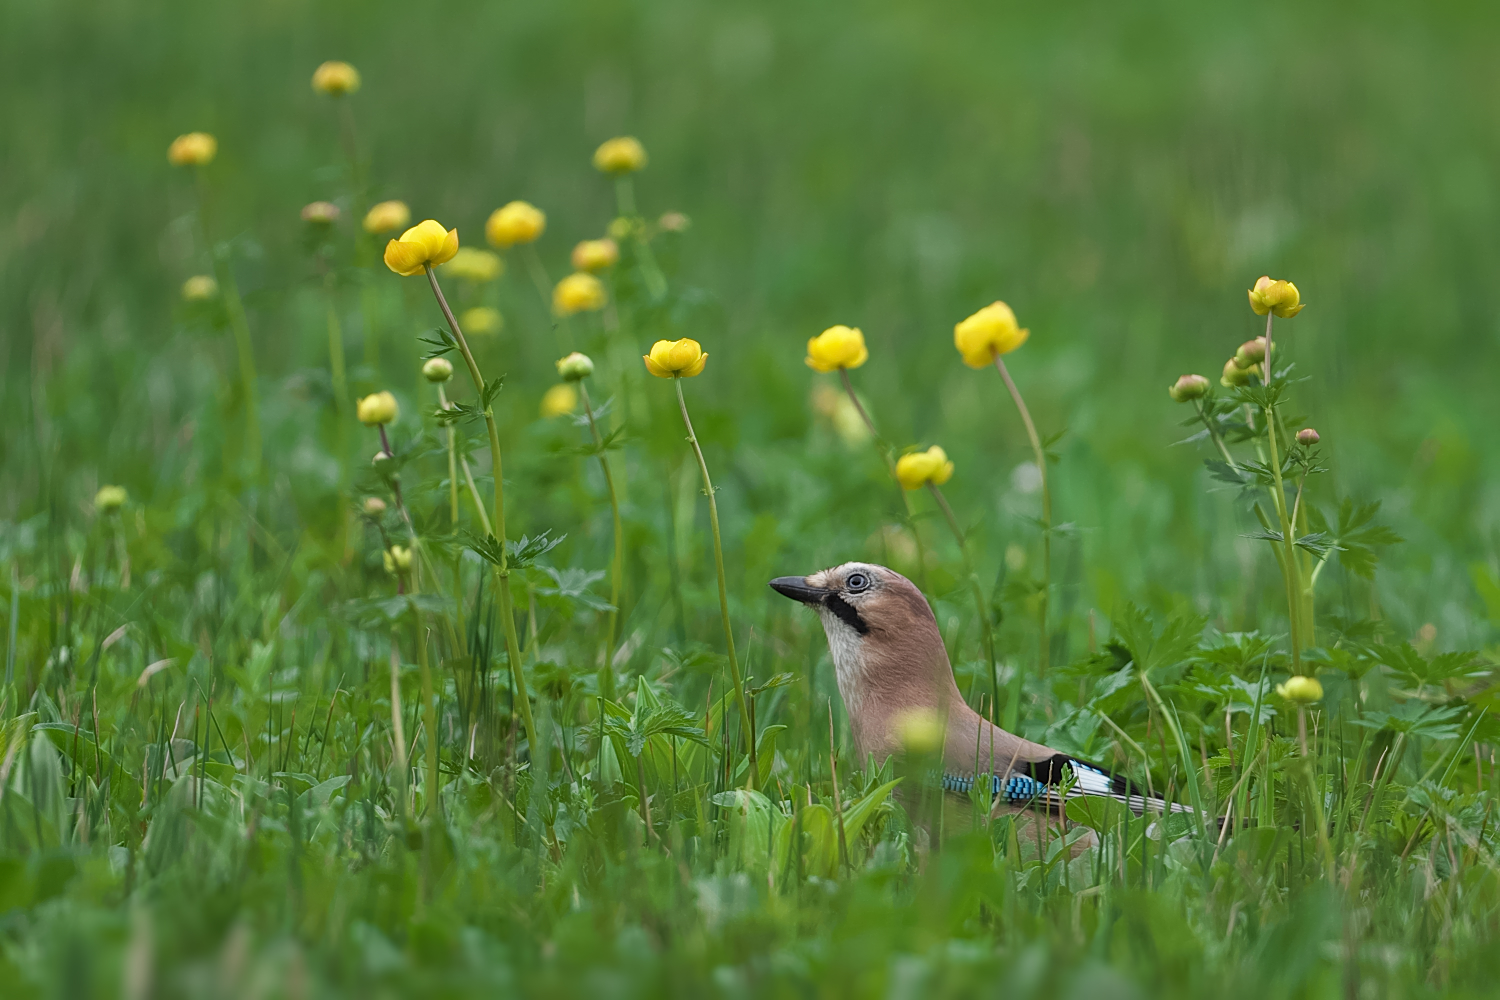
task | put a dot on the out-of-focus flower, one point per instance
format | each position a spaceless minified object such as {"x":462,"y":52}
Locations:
{"x":575,"y":366}
{"x":1307,"y":436}
{"x":578,"y":292}
{"x":920,"y":731}
{"x":987,"y":334}
{"x":676,"y":358}
{"x":515,"y":223}
{"x":559,"y":400}
{"x":386,"y":216}
{"x":377,"y":408}
{"x":425,"y":244}
{"x":673,"y":222}
{"x":837,"y":347}
{"x":1300,"y":689}
{"x":622,"y":228}
{"x":481,"y":320}
{"x":1251,"y":352}
{"x":200,"y":288}
{"x":110,"y":499}
{"x":835,"y":406}
{"x":192,"y":150}
{"x":320,"y":212}
{"x":919,"y":468}
{"x":437,"y":370}
{"x":374,"y":506}
{"x":476,"y":265}
{"x":596,"y":255}
{"x":335,"y":78}
{"x":397,"y":560}
{"x":1188,"y":388}
{"x":621,"y":155}
{"x":1235,"y":375}
{"x":1275,"y":296}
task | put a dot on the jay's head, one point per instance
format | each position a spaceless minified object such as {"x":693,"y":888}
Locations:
{"x":858,"y":600}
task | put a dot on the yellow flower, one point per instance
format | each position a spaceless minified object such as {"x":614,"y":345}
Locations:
{"x":1302,"y":690}
{"x":1275,"y":296}
{"x":575,"y":366}
{"x":559,"y":400}
{"x":320,"y":212}
{"x":192,"y":150}
{"x":437,"y":370}
{"x":200,"y":288}
{"x":676,"y":358}
{"x":622,"y":155}
{"x":920,"y":731}
{"x":987,"y":334}
{"x":474,"y":265}
{"x":517,"y":222}
{"x":425,"y":244}
{"x":837,"y":347}
{"x":386,"y":216}
{"x":1188,"y":388}
{"x":919,"y":468}
{"x":596,"y":255}
{"x":578,"y":292}
{"x":397,"y":560}
{"x":335,"y":78}
{"x":482,"y":320}
{"x":110,"y":499}
{"x":377,"y":408}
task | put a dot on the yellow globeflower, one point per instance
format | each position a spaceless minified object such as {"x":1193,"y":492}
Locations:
{"x":425,"y":244}
{"x":192,"y":150}
{"x":397,"y":560}
{"x":920,"y":731}
{"x":481,"y":320}
{"x":517,"y":222}
{"x":676,"y":358}
{"x":386,"y":216}
{"x":837,"y":347}
{"x":474,"y":265}
{"x":559,"y":400}
{"x":1275,"y":296}
{"x":919,"y":468}
{"x":596,"y":255}
{"x":987,"y":334}
{"x":110,"y":499}
{"x":377,"y":408}
{"x":578,"y":292}
{"x":622,"y":155}
{"x":335,"y":78}
{"x":321,"y":213}
{"x":200,"y":288}
{"x":1302,"y":690}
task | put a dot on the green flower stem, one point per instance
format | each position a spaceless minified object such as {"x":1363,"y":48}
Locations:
{"x":1213,"y":432}
{"x":1290,"y":569}
{"x":335,"y":348}
{"x":1041,"y":465}
{"x":617,"y":567}
{"x":502,"y":572}
{"x":458,"y":575}
{"x":884,"y":448}
{"x":979,"y":604}
{"x":713,"y":520}
{"x":656,"y":283}
{"x":429,"y":718}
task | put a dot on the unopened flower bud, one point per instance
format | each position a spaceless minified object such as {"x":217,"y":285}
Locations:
{"x":1307,"y":436}
{"x":575,"y":366}
{"x":437,"y":370}
{"x":673,"y":222}
{"x":110,"y":499}
{"x":1302,"y":690}
{"x":1188,"y":387}
{"x":200,"y":288}
{"x":621,"y":229}
{"x":622,"y":155}
{"x":1251,"y":352}
{"x":374,"y":506}
{"x":377,"y":408}
{"x":321,"y":213}
{"x":1235,"y":375}
{"x":335,"y":79}
{"x":397,"y":560}
{"x":195,"y":149}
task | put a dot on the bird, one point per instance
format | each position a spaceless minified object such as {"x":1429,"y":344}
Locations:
{"x":890,"y":662}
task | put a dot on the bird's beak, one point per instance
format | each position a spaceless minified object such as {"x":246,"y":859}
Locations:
{"x":797,"y":589}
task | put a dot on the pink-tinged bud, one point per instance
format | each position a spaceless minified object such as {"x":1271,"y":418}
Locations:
{"x":1188,"y":388}
{"x":1235,"y":375}
{"x":1307,"y":436}
{"x":1251,"y":352}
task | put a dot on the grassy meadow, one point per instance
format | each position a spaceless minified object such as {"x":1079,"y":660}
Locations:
{"x":280,"y":720}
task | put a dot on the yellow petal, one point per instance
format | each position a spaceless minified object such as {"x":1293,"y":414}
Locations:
{"x":696,"y":368}
{"x":404,"y":258}
{"x":448,"y":249}
{"x":654,"y":368}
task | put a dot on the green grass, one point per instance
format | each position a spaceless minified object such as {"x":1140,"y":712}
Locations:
{"x":235,"y":823}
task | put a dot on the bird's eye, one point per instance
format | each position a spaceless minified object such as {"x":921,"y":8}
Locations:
{"x":856,"y":582}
